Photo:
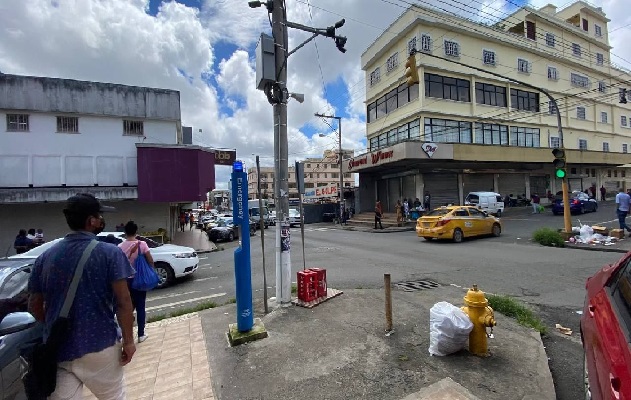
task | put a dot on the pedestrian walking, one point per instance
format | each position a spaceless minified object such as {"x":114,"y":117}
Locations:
{"x":427,"y":200}
{"x":603,"y":193}
{"x":90,"y":352}
{"x":535,"y":203}
{"x":399,"y":210}
{"x":22,"y":243}
{"x":378,"y":214}
{"x":406,"y":209}
{"x":622,"y":201}
{"x":417,"y":204}
{"x":132,"y":247}
{"x":191,"y":222}
{"x":182,"y":222}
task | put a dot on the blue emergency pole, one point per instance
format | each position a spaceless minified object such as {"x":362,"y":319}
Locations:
{"x":242,"y":261}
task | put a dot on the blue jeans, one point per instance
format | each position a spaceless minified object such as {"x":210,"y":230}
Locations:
{"x":622,"y":215}
{"x":138,"y":299}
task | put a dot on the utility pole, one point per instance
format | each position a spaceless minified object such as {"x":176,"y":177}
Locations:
{"x":275,"y":88}
{"x":281,"y":167}
{"x":262,"y":227}
{"x":340,"y":206}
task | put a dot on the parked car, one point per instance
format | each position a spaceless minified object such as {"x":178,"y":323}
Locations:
{"x":272,"y":217}
{"x":225,"y":230}
{"x":606,"y":332}
{"x":294,"y":217}
{"x":456,"y":223}
{"x":19,"y":332}
{"x":580,"y":203}
{"x":171,"y":261}
{"x":490,"y":202}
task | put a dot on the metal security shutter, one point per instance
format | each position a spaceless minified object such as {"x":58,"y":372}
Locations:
{"x":477,"y":183}
{"x":575,"y":184}
{"x":514,"y":184}
{"x":443,"y":188}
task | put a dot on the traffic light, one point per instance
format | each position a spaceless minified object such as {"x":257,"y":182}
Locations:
{"x":411,"y":73}
{"x":559,"y":163}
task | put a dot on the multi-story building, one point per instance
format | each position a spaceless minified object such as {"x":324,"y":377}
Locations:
{"x":461,"y":129}
{"x":319,"y":172}
{"x":121,"y":143}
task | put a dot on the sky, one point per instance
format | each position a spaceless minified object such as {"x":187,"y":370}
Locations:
{"x":205,"y":49}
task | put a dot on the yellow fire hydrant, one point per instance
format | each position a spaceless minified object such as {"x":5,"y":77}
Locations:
{"x":481,"y":315}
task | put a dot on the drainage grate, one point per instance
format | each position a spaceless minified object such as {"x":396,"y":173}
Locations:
{"x":413,"y":286}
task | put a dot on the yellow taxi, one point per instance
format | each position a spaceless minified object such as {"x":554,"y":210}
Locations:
{"x":456,"y":223}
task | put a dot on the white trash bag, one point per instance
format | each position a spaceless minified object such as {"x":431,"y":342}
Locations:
{"x":449,"y":329}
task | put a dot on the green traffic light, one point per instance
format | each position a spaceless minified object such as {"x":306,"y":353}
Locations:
{"x":560,"y":173}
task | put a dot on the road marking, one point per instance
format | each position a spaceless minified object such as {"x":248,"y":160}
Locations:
{"x":203,"y":258}
{"x":171,"y":295}
{"x":205,"y":279}
{"x":185,"y":301}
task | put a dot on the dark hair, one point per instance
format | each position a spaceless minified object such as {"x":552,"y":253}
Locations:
{"x":31,"y":231}
{"x":76,"y":221}
{"x":22,"y":232}
{"x":131,"y":228}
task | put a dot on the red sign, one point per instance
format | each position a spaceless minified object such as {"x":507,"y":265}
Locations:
{"x":375,"y":158}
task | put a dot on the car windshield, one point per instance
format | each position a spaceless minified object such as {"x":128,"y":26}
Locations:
{"x":293,"y":212}
{"x":439,"y":212}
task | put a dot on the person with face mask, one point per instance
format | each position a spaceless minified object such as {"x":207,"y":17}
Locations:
{"x":90,"y":352}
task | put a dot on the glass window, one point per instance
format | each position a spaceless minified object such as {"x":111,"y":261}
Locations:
{"x":375,"y":76}
{"x":624,"y":148}
{"x":381,"y":107}
{"x":580,"y":112}
{"x":605,"y":147}
{"x":488,"y":57}
{"x":600,"y":59}
{"x":443,"y":87}
{"x":524,"y":137}
{"x":452,"y":48}
{"x":524,"y":100}
{"x":552,"y":110}
{"x":413,"y":91}
{"x":402,"y":97}
{"x":579,"y":80}
{"x":383,"y":140}
{"x":550,"y":39}
{"x":553,"y":74}
{"x":623,"y":120}
{"x":392,"y":62}
{"x":582,"y":144}
{"x":17,"y":122}
{"x":371,"y":112}
{"x":491,"y":134}
{"x":412,"y":45}
{"x":391,"y":101}
{"x":414,"y":129}
{"x":523,"y":65}
{"x":576,"y":49}
{"x":374,"y":144}
{"x":603,"y":117}
{"x":68,"y":124}
{"x":490,"y":94}
{"x":602,"y":88}
{"x":598,"y":31}
{"x":555,"y":142}
{"x":447,"y":131}
{"x":392,"y":137}
{"x":426,"y":43}
{"x":403,"y":133}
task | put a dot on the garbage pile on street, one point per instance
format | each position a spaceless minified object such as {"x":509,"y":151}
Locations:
{"x":595,"y":235}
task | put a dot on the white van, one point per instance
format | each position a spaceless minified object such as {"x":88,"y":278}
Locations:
{"x":490,"y":202}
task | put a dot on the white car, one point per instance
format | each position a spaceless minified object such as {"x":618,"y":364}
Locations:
{"x":171,"y":261}
{"x":294,"y":217}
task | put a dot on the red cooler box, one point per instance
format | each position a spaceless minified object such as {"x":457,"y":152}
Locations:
{"x":307,"y":285}
{"x":321,"y":273}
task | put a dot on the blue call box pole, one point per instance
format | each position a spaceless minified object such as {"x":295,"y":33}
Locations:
{"x":242,"y":261}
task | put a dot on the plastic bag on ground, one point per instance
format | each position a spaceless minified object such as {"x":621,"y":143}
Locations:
{"x":449,"y":329}
{"x":586,"y":232}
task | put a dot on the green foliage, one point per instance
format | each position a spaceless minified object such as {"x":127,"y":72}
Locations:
{"x":515,"y":309}
{"x":294,"y":288}
{"x":548,"y":237}
{"x":199,"y":307}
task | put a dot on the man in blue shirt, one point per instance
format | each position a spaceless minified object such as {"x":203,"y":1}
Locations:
{"x":623,"y":200}
{"x":91,"y":354}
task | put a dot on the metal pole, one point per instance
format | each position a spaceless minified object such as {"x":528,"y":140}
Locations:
{"x":341,"y":194}
{"x":567,"y":222}
{"x":283,"y":238}
{"x":386,"y":285}
{"x":262,"y":226}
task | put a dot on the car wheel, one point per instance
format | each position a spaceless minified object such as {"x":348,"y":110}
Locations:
{"x":587,"y":389}
{"x":428,"y":238}
{"x":458,"y":236}
{"x":555,"y":213}
{"x":581,"y":210}
{"x":165,"y":273}
{"x":231,"y":236}
{"x":499,"y":213}
{"x":496,"y":230}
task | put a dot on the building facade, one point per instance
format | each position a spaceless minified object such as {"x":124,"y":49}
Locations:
{"x":461,"y":129}
{"x":121,"y":143}
{"x":319,"y":173}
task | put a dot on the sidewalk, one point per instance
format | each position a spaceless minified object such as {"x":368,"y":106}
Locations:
{"x":170,"y":364}
{"x":196,"y":238}
{"x":338,"y":350}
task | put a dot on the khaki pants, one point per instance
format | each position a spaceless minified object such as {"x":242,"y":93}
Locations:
{"x":100,"y":372}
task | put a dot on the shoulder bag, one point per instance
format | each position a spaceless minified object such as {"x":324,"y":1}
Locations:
{"x":41,"y":379}
{"x":146,"y":277}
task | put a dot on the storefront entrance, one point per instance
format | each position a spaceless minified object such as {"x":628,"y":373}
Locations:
{"x":443,"y":188}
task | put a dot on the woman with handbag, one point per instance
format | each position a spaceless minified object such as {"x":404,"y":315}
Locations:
{"x":138,"y":254}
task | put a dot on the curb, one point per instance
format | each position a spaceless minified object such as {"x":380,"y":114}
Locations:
{"x":604,"y":250}
{"x":386,"y":230}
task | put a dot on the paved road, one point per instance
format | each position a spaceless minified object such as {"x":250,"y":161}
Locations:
{"x":550,"y":279}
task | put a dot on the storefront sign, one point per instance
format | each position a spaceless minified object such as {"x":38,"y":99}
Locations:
{"x":225,"y":157}
{"x":371,"y":159}
{"x":329,"y":190}
{"x":429,"y":149}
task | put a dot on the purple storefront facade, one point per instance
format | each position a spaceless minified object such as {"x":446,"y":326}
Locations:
{"x":174,"y":174}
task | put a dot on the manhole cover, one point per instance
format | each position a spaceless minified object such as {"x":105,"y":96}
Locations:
{"x":413,"y":286}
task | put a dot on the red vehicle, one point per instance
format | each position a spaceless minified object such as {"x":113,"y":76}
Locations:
{"x":606,"y":332}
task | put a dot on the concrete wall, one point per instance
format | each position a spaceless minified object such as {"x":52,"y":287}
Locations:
{"x":41,"y":94}
{"x":49,"y":217}
{"x":100,"y":154}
